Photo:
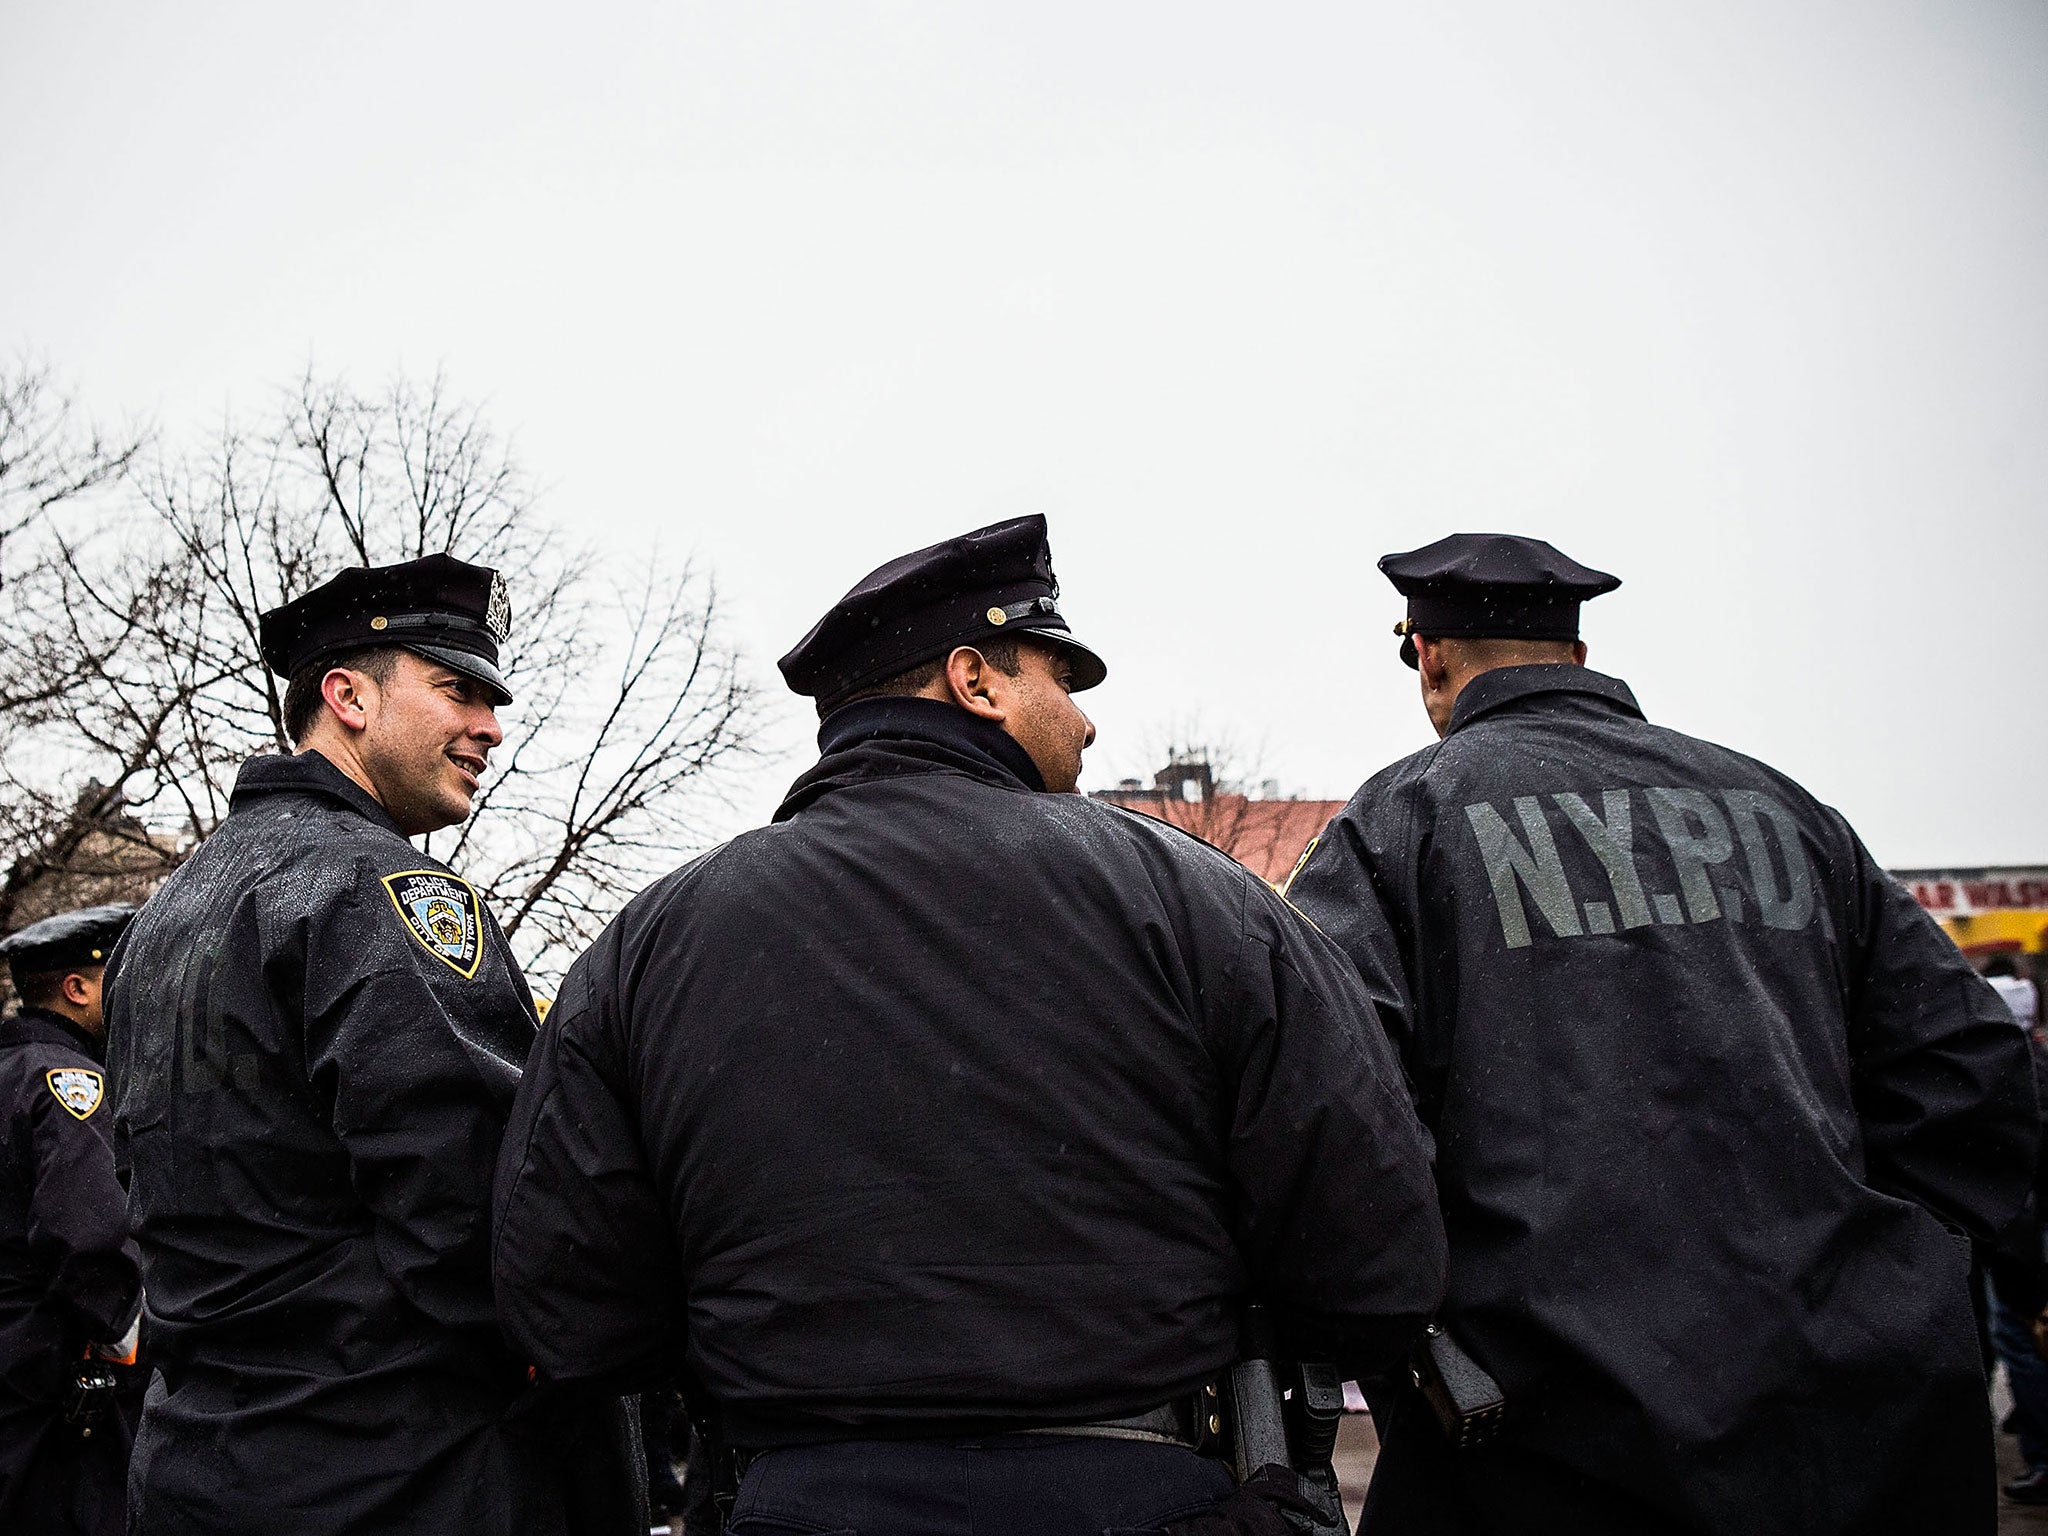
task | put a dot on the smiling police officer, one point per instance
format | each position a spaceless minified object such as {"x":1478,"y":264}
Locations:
{"x":70,"y":1285}
{"x":1707,"y":1088}
{"x":940,"y":1129}
{"x":317,"y":1034}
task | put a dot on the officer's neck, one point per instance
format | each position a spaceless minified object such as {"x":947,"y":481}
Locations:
{"x":341,"y":754}
{"x":88,"y":1022}
{"x":1447,"y":666}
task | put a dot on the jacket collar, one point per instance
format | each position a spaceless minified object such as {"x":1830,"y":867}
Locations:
{"x":54,"y":1028}
{"x":890,"y":737}
{"x":1502,"y":686}
{"x":306,"y":774}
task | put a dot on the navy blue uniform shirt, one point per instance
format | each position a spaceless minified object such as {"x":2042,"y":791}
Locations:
{"x":317,"y":1031}
{"x":69,"y":1276}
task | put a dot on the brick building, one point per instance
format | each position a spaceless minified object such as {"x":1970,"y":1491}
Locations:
{"x":1263,"y":832}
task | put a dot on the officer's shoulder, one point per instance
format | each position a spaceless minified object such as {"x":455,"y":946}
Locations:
{"x":19,"y":1049}
{"x":1727,"y":768}
{"x":28,"y":1059}
{"x":1400,"y":780}
{"x":317,"y":858}
{"x":54,"y":1055}
{"x":659,"y":897}
{"x":1105,"y":825}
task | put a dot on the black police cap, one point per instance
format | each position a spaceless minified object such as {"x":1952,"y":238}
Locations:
{"x":70,"y":941}
{"x":993,"y":582}
{"x":439,"y":607}
{"x":1491,"y":584}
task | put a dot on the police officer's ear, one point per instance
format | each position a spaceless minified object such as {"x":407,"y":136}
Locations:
{"x":974,"y":683}
{"x":1433,"y":662}
{"x":344,"y":693}
{"x":81,"y":989}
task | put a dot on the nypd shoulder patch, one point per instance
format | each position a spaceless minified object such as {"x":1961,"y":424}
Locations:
{"x":442,"y":912}
{"x":78,"y":1089}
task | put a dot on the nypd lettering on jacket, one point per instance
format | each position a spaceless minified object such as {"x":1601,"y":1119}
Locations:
{"x":1658,"y":855}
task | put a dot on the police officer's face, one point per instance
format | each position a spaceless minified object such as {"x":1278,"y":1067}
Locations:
{"x":427,"y":738}
{"x":1038,"y":709}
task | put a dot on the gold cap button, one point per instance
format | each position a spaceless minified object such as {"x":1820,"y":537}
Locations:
{"x":379,"y":622}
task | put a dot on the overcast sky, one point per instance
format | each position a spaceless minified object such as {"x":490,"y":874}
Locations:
{"x":1746,"y":303}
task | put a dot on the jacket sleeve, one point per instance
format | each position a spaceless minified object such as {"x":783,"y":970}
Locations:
{"x":398,"y":1048}
{"x":583,"y":1260}
{"x":1356,"y":884}
{"x":1339,"y":1218}
{"x":1943,"y":1084}
{"x":78,"y":1218}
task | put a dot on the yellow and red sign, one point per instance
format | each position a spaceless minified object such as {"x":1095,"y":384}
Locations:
{"x":1986,"y":911}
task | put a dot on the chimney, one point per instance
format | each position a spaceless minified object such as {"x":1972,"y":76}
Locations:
{"x":1187,"y":777}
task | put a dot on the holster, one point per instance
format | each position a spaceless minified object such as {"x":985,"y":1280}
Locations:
{"x":1467,"y":1402}
{"x":1283,"y":1414}
{"x":89,"y":1398}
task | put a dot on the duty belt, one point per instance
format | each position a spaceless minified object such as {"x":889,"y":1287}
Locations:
{"x":1194,"y":1421}
{"x":1197,"y":1420}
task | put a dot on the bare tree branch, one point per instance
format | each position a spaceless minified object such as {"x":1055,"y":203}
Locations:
{"x":47,"y":456}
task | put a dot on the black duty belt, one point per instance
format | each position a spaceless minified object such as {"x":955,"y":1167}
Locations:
{"x":1197,"y":1420}
{"x":1194,"y":1421}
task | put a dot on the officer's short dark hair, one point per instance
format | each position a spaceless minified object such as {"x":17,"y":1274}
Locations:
{"x":302,"y":693}
{"x":1503,"y":650}
{"x":45,"y":989}
{"x":1005,"y":655}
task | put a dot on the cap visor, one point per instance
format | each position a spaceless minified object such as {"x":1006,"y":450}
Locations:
{"x":469,"y":665}
{"x":1408,"y":652}
{"x":1089,"y":668}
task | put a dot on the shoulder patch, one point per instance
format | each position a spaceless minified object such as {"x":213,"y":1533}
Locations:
{"x":78,"y":1089}
{"x":441,"y":911}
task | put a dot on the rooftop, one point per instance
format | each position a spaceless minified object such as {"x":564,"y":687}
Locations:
{"x":1265,"y":832}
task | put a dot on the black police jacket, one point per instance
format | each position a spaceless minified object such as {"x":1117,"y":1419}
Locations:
{"x":944,"y":1102}
{"x":1706,"y":1086}
{"x":316,"y":1033}
{"x":69,"y":1277}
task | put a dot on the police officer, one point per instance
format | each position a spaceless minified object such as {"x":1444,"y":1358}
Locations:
{"x":318,"y":1030}
{"x":70,"y":1286}
{"x":939,"y":1129}
{"x":1712,"y":1100}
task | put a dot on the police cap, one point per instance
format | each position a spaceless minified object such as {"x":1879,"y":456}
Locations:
{"x":989,"y":584}
{"x":1491,"y":584}
{"x":70,"y":941}
{"x":438,"y":607}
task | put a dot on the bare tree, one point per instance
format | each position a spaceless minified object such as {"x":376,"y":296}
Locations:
{"x":53,"y":462}
{"x":48,"y":453}
{"x":631,"y":706}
